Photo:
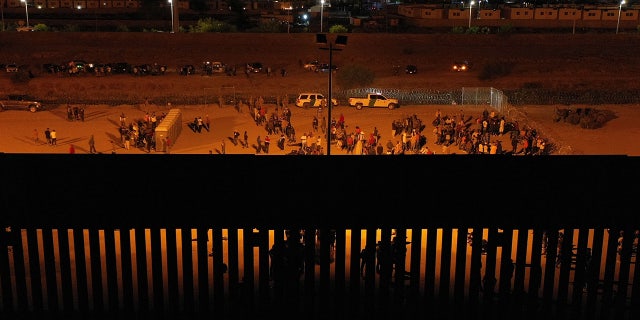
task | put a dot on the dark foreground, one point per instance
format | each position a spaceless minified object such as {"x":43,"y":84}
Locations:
{"x":107,"y":192}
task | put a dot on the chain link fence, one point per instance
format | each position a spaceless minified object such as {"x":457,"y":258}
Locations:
{"x":484,"y":97}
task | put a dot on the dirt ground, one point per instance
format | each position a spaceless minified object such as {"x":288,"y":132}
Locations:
{"x":568,"y":62}
{"x":17,"y":129}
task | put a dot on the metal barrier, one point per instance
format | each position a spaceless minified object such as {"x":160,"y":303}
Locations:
{"x":484,"y":97}
{"x":248,"y":272}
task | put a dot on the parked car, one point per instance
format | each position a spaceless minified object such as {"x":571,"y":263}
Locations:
{"x":312,"y":65}
{"x":141,"y":70}
{"x":20,"y":102}
{"x":52,"y":67}
{"x":254,"y":67}
{"x":411,"y":69}
{"x":187,"y":69}
{"x":101,"y":69}
{"x":82,"y":65}
{"x":313,"y":99}
{"x":75,"y":67}
{"x":210,"y":68}
{"x":11,"y":67}
{"x":158,"y":69}
{"x":461,"y":66}
{"x":324,"y":67}
{"x":120,"y":67}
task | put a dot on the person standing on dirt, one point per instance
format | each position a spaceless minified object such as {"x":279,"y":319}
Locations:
{"x":200,"y":124}
{"x":303,"y":141}
{"x":267,"y":142}
{"x":167,"y":142}
{"x":260,"y":104}
{"x":92,"y":145}
{"x":69,"y":112}
{"x":207,"y":123}
{"x":281,"y":141}
{"x":405,"y":141}
{"x":259,"y":146}
{"x":256,"y":115}
{"x":154,"y":120}
{"x":236,"y":134}
{"x":47,"y":135}
{"x":127,"y":140}
{"x":54,"y":138}
{"x":315,"y":124}
{"x":246,"y":140}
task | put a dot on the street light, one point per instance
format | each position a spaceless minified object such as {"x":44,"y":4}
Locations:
{"x":470,"y":6}
{"x":341,"y":41}
{"x":26,"y":10}
{"x":619,"y":12}
{"x":321,"y":13}
{"x":290,"y":22}
{"x":172,"y":29}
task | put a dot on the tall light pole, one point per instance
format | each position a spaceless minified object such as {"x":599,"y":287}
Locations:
{"x":470,"y":6}
{"x":290,"y":22}
{"x":321,"y":13}
{"x":341,"y":41}
{"x":2,"y":12}
{"x":619,"y":12}
{"x":172,"y":29}
{"x":26,"y":10}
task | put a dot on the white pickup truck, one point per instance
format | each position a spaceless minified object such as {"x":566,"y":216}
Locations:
{"x":374,"y":100}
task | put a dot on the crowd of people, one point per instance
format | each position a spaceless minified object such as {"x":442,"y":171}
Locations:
{"x":139,"y":133}
{"x":459,"y":133}
{"x":481,"y":134}
{"x":470,"y":135}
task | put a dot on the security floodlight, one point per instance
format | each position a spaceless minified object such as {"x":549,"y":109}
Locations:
{"x":172,"y":28}
{"x":26,"y":10}
{"x":470,"y":6}
{"x":619,"y":13}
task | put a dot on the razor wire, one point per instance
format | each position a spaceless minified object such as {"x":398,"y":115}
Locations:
{"x":405,"y":97}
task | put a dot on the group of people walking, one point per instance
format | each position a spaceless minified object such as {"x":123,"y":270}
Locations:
{"x":50,"y":135}
{"x":75,"y":113}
